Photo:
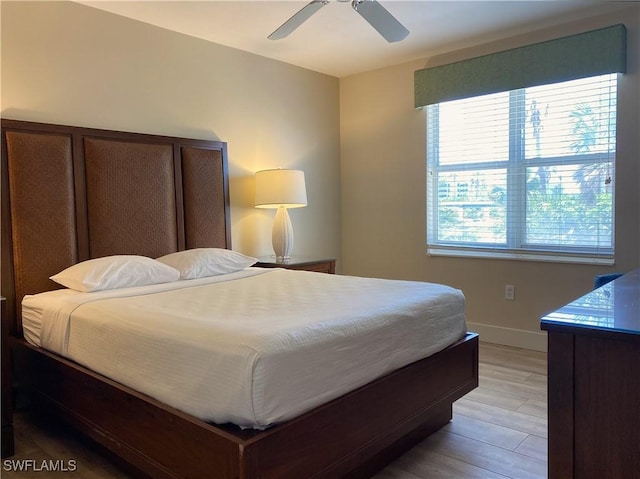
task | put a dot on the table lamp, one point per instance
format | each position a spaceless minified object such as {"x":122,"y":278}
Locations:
{"x":281,"y":189}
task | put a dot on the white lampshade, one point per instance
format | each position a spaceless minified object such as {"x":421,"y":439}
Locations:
{"x":276,"y":188}
{"x":281,"y":189}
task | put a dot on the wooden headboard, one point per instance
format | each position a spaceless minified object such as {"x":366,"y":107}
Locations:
{"x":70,"y":194}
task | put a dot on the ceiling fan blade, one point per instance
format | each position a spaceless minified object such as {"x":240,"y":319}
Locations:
{"x":298,"y":19}
{"x":380,"y":19}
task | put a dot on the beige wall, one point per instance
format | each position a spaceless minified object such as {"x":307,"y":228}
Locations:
{"x":383,"y":196}
{"x":70,"y":64}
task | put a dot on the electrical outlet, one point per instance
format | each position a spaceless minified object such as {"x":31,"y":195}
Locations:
{"x":509,"y":292}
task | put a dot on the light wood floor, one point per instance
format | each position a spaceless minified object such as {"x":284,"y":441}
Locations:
{"x":498,"y":430}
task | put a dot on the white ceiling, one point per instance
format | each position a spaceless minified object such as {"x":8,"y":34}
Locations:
{"x":339,"y":42}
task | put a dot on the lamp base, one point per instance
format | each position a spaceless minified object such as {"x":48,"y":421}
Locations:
{"x":282,"y":235}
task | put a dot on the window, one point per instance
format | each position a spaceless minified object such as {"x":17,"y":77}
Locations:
{"x":527,"y":173}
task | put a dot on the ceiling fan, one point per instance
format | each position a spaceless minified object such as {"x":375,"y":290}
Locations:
{"x":374,"y":13}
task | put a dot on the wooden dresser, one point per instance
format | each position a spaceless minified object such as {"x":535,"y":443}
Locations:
{"x":594,"y":383}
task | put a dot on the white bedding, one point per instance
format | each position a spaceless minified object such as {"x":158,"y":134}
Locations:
{"x":254,"y":348}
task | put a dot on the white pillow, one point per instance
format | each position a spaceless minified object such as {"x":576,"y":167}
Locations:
{"x":202,"y":262}
{"x":111,"y":272}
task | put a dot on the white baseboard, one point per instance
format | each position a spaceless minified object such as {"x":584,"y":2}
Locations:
{"x":517,"y":338}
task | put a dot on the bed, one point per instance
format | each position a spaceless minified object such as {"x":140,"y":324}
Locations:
{"x":70,"y":194}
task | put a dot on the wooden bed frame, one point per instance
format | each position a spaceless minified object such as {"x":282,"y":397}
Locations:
{"x":70,"y":194}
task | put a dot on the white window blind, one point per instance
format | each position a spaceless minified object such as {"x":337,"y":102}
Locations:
{"x":527,"y":173}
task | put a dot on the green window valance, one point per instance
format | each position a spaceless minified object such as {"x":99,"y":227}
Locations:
{"x":577,"y":56}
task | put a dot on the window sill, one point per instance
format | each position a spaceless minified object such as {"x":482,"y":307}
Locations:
{"x":511,"y":255}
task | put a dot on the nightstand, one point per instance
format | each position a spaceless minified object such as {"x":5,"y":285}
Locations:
{"x":7,"y":403}
{"x":325,"y":265}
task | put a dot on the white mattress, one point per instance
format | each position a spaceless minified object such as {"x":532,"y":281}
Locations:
{"x":254,"y":348}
